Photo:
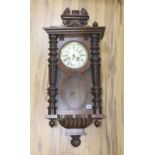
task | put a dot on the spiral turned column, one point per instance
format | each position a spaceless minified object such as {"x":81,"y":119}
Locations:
{"x":52,"y":90}
{"x":95,"y":69}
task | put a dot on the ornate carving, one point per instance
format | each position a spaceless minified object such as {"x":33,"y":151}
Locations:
{"x":95,"y":68}
{"x":77,"y":122}
{"x":52,"y":90}
{"x":76,"y":18}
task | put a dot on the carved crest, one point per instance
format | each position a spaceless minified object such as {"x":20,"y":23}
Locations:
{"x":75,"y":18}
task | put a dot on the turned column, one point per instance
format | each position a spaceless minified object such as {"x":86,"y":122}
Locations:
{"x":95,"y":69}
{"x":52,"y":90}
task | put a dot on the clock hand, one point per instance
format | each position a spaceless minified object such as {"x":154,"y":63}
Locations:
{"x":73,"y":56}
{"x":77,"y":58}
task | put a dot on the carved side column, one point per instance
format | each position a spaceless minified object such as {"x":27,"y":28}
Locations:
{"x":95,"y":69}
{"x":52,"y":90}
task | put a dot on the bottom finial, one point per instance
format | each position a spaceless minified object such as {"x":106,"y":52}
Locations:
{"x":76,"y":140}
{"x":52,"y":123}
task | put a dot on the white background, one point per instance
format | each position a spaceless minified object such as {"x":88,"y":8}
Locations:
{"x":139,"y":69}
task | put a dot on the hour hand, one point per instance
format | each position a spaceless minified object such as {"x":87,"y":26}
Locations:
{"x":77,"y":58}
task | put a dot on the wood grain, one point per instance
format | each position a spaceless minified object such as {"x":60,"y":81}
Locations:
{"x":108,"y":139}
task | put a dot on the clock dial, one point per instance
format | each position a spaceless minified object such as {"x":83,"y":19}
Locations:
{"x":74,"y":55}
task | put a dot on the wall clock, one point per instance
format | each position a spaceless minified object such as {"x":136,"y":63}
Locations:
{"x":74,"y":74}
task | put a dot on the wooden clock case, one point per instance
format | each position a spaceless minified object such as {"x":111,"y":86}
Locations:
{"x":75,"y":94}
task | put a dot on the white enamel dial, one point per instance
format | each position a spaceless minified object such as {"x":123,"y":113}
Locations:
{"x":74,"y":55}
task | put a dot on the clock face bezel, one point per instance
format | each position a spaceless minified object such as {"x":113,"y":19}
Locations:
{"x":74,"y":70}
{"x":78,"y":44}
